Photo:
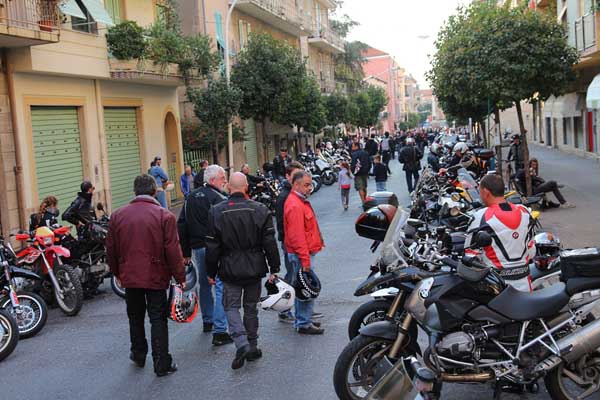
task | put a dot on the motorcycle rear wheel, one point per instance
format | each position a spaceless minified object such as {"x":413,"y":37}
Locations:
{"x":562,"y":386}
{"x":72,"y":290}
{"x":33,"y":316}
{"x":9,"y":334}
{"x":119,"y":291}
{"x":328,"y":178}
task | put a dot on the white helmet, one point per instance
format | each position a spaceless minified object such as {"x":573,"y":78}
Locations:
{"x":435,"y":147}
{"x":461,"y":146}
{"x":280,"y":296}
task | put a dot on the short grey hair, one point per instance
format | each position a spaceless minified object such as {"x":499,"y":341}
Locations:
{"x":212,"y":172}
{"x":300,"y":175}
{"x":144,"y":185}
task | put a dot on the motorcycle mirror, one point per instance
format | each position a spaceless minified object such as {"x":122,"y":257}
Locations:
{"x":100,"y":207}
{"x":482,"y":239}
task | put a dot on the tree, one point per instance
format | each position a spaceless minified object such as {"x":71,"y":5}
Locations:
{"x":267,"y":72}
{"x":367,"y":106}
{"x":336,"y":109}
{"x":304,"y":105}
{"x":349,"y":66}
{"x":215,"y":106}
{"x":377,"y":101}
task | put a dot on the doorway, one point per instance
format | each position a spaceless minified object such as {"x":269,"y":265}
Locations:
{"x":174,"y":159}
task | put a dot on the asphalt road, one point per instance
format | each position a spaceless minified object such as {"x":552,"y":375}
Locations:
{"x":86,"y":357}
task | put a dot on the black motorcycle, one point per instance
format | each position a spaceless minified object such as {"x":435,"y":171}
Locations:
{"x":265,"y":192}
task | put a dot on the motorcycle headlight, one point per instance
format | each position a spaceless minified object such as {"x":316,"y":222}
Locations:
{"x":48,"y":241}
{"x":455,"y":211}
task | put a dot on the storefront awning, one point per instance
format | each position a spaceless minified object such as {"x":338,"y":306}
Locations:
{"x":592,"y":99}
{"x":566,"y":106}
{"x":98,"y":12}
{"x":70,"y":7}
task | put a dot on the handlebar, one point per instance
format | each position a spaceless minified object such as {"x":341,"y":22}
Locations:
{"x":471,"y":261}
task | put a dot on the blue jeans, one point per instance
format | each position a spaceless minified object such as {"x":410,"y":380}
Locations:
{"x":303,"y":309}
{"x":212,"y":310}
{"x":380,"y":186}
{"x":161,"y":196}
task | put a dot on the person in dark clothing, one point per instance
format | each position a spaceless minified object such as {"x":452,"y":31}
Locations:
{"x":540,"y":186}
{"x":371,"y":147}
{"x":143,"y":252}
{"x":199,"y":178}
{"x":286,"y":188}
{"x":420,"y":140}
{"x":410,"y":156}
{"x":253,"y":180}
{"x":240,"y":242}
{"x":516,"y":153}
{"x":280,"y":163}
{"x":46,"y":215}
{"x":81,"y":211}
{"x":360,"y":165}
{"x":386,"y":151}
{"x":380,"y":173}
{"x":192,"y":225}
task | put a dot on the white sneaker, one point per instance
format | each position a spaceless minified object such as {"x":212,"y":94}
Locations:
{"x":567,"y":205}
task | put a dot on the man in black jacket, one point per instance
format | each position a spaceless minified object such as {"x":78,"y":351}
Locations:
{"x":199,"y":178}
{"x":280,"y":163}
{"x":291,"y":169}
{"x":240,"y":241}
{"x":410,"y":156}
{"x":192,"y":226}
{"x":516,"y":153}
{"x":371,"y":147}
{"x":360,"y":166}
{"x":81,"y":211}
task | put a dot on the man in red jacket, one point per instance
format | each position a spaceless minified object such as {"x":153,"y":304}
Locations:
{"x":143,"y":251}
{"x":303,"y":241}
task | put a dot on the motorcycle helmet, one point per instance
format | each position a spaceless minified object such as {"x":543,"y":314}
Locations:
{"x":280,"y":296}
{"x":191,"y":277}
{"x":461,"y":146}
{"x":547,"y":249}
{"x":435,"y":147}
{"x":307,"y":285}
{"x":183,"y":307}
{"x":374,"y":223}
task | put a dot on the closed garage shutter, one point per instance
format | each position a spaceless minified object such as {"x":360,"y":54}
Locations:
{"x":250,"y":144}
{"x":57,"y":151}
{"x":123,"y":153}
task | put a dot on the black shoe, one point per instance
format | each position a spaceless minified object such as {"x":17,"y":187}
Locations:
{"x":138,"y":360}
{"x":240,"y":357}
{"x":221,"y":339}
{"x":254,"y":354}
{"x":317,"y":324}
{"x":170,"y":370}
{"x":287,"y":318}
{"x":207,"y":327}
{"x":311,"y":330}
{"x":317,"y":315}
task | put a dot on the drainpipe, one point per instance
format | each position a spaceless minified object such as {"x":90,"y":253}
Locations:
{"x":103,"y":144}
{"x":203,"y":17}
{"x":17,"y":143}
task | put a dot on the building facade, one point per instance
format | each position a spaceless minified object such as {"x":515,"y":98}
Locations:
{"x":70,"y":112}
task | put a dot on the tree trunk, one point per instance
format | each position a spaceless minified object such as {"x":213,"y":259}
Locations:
{"x":498,"y":141}
{"x":215,"y":150}
{"x":525,"y":147}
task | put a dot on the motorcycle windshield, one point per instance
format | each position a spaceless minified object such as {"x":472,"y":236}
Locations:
{"x":391,"y":252}
{"x":468,"y":183}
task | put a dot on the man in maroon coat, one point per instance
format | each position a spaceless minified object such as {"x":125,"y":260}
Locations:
{"x":143,"y":252}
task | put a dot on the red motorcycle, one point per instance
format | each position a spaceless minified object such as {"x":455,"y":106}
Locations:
{"x":45,"y":258}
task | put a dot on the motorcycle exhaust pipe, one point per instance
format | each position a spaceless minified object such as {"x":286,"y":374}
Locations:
{"x":465,"y":378}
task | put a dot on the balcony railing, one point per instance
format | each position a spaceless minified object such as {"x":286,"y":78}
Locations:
{"x":327,"y":85}
{"x":33,"y":15}
{"x":328,"y":35}
{"x":288,"y":16}
{"x":585,"y":32}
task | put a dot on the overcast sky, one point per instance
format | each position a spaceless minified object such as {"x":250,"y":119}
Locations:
{"x":395,"y":26}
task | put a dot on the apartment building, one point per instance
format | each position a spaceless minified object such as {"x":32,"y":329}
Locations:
{"x":69,"y":112}
{"x":303,"y":24}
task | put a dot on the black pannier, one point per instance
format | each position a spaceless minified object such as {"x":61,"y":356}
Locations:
{"x":580,"y":263}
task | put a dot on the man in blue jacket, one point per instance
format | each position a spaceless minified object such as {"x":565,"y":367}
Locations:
{"x":186,"y":181}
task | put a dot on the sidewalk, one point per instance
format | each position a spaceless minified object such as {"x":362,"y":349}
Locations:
{"x":578,"y":227}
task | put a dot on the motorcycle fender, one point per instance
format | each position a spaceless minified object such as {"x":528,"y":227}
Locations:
{"x":17,"y":272}
{"x":387,"y":292}
{"x":382,"y":329}
{"x":59,"y":251}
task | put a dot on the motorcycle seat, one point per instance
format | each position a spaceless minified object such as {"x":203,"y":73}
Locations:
{"x":525,"y":306}
{"x":576,"y":285}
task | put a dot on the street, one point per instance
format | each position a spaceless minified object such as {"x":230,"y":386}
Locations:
{"x":86,"y":357}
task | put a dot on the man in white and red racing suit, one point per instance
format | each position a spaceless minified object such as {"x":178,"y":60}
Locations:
{"x":510,"y":227}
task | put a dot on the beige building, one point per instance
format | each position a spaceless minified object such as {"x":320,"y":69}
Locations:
{"x":69,"y":112}
{"x":303,"y":24}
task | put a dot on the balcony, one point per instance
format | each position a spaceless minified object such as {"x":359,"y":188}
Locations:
{"x":327,"y":85}
{"x":26,"y":23}
{"x":326,"y":39}
{"x":145,"y":72}
{"x":585,"y":34}
{"x":281,"y":14}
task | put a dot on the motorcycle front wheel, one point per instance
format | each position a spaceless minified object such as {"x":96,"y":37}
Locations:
{"x":31,"y":315}
{"x":328,"y":178}
{"x":9,"y":334}
{"x":367,"y":313}
{"x":72,"y":300}
{"x":114,"y":284}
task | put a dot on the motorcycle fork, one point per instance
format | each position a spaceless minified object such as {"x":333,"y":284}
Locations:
{"x":391,"y":314}
{"x":53,"y":279}
{"x":402,"y":332}
{"x":12,"y":291}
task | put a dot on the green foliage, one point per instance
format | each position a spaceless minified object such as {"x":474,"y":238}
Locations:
{"x":365,"y":106}
{"x":197,"y":53}
{"x":164,"y":45}
{"x":304,"y":106}
{"x":195,"y":136}
{"x":413,"y":120}
{"x":343,"y":26}
{"x":126,"y":41}
{"x":349,"y":66}
{"x":168,"y":15}
{"x":336,"y":109}
{"x":425,"y":108}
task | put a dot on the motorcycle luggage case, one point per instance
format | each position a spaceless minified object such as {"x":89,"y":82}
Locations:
{"x":378,"y":198}
{"x":580,"y":263}
{"x":484,"y":154}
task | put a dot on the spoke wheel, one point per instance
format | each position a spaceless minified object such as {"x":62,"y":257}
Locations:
{"x":577,"y":380}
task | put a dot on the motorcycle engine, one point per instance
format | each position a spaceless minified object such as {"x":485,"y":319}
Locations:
{"x":459,"y":345}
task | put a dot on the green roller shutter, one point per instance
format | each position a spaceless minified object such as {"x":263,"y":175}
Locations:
{"x":123,"y":153}
{"x":250,"y":144}
{"x":57,"y":151}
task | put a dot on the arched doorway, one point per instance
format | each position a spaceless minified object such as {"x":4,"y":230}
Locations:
{"x":175,"y":158}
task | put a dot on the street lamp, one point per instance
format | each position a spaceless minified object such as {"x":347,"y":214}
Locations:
{"x":228,"y":78}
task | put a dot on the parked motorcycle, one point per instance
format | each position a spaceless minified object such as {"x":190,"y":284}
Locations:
{"x":265,"y":192}
{"x":44,"y":257}
{"x":9,"y":334}
{"x":27,"y":308}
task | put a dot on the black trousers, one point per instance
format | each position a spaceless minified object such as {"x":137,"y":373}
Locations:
{"x":155,"y":302}
{"x":550,"y":186}
{"x":387,"y":155}
{"x":409,"y":180}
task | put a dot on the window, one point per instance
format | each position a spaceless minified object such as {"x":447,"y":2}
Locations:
{"x":86,"y":24}
{"x":245,"y":31}
{"x":565,"y":130}
{"x":578,"y":134}
{"x":114,"y":8}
